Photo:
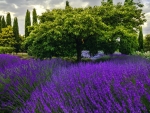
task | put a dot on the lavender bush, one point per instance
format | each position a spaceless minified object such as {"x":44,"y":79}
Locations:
{"x":19,"y":79}
{"x":121,"y":85}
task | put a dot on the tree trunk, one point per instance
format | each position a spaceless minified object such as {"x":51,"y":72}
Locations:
{"x":78,"y":49}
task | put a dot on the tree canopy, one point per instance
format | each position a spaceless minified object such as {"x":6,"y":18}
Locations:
{"x":68,"y":31}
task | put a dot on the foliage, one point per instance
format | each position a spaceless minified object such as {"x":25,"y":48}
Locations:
{"x":143,"y":54}
{"x":16,"y":35}
{"x":77,"y":27}
{"x":7,"y":38}
{"x":140,"y":39}
{"x":34,"y":15}
{"x":124,"y":25}
{"x":128,"y":2}
{"x":58,"y":28}
{"x":110,"y":2}
{"x":147,"y":43}
{"x":8,"y":19}
{"x":0,"y":24}
{"x":6,"y":49}
{"x":27,"y":23}
{"x":128,"y":45}
{"x":3,"y":24}
{"x":103,"y":59}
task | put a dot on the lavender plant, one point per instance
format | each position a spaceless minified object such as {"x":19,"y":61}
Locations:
{"x":21,"y":78}
{"x":120,"y":85}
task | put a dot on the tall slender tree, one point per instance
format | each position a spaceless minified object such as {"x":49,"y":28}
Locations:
{"x":67,"y":4}
{"x":110,"y":1}
{"x":27,"y":23}
{"x":128,"y":2}
{"x":16,"y":34}
{"x":3,"y":25}
{"x":140,"y":39}
{"x":8,"y":19}
{"x":0,"y":24}
{"x":34,"y":14}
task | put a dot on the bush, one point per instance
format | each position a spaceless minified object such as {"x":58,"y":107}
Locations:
{"x":19,"y":79}
{"x":147,"y":43}
{"x":6,"y":49}
{"x":143,"y":54}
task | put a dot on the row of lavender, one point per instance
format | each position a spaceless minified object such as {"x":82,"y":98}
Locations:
{"x":19,"y":78}
{"x":55,"y":86}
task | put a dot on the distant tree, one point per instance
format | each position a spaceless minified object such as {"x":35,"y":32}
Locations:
{"x":27,"y":23}
{"x":140,"y":39}
{"x":147,"y":43}
{"x":3,"y":25}
{"x":7,"y":37}
{"x":16,"y":35}
{"x":0,"y":24}
{"x":67,"y":4}
{"x":110,"y":1}
{"x":34,"y":15}
{"x":128,"y":2}
{"x":8,"y":19}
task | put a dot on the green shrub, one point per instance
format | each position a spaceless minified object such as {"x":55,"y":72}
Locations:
{"x":104,"y":58}
{"x":143,"y":54}
{"x":6,"y":49}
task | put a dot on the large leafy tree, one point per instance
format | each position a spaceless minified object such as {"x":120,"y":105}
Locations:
{"x":64,"y":32}
{"x":27,"y":23}
{"x":123,"y":18}
{"x":140,"y":39}
{"x":3,"y":24}
{"x":34,"y":15}
{"x":16,"y":35}
{"x":8,"y":19}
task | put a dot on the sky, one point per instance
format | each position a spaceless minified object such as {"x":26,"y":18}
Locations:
{"x":18,"y":9}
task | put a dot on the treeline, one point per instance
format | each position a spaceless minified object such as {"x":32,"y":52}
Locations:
{"x":66,"y":32}
{"x":10,"y":39}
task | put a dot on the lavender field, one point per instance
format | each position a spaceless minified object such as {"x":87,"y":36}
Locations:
{"x":120,"y":85}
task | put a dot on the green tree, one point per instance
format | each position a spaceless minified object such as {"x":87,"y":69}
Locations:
{"x":140,"y":39}
{"x":27,"y":23}
{"x":65,"y":33}
{"x":34,"y":15}
{"x":8,"y":19}
{"x":147,"y":43}
{"x":67,"y":4}
{"x":7,"y":37}
{"x":3,"y":25}
{"x":128,"y":2}
{"x":119,"y":18}
{"x":110,"y":1}
{"x":16,"y":35}
{"x":0,"y":24}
